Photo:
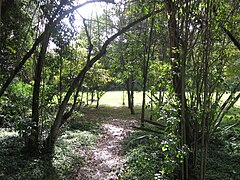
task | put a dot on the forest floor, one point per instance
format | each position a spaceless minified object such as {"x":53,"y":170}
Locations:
{"x":105,"y":160}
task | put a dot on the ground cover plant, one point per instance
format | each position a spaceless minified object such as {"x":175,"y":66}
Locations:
{"x":145,"y":153}
{"x":17,"y":163}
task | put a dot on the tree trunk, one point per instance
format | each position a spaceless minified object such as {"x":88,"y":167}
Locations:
{"x":123,"y":99}
{"x":87,"y":98}
{"x":60,"y":75}
{"x":130,"y":96}
{"x":98,"y":99}
{"x":33,"y":138}
{"x":184,"y":116}
{"x":92,"y":97}
{"x":20,"y":65}
{"x":206,"y":93}
{"x":145,"y":70}
{"x":178,"y":77}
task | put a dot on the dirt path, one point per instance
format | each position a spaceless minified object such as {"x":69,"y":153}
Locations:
{"x":106,"y":158}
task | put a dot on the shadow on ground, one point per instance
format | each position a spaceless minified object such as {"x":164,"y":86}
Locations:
{"x":14,"y":164}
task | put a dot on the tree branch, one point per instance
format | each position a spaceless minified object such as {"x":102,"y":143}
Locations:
{"x":52,"y":23}
{"x":233,"y":39}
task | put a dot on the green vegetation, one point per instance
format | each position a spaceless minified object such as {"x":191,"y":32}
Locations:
{"x":145,"y":152}
{"x":15,"y":162}
{"x":174,"y":64}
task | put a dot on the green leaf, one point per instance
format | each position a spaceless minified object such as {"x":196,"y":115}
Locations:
{"x":11,"y":49}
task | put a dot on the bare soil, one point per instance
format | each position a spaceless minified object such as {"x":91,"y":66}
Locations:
{"x":105,"y":160}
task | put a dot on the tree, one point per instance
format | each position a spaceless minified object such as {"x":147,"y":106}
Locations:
{"x":77,"y":82}
{"x":196,"y":71}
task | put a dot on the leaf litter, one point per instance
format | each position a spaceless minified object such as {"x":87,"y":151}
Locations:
{"x":105,"y":160}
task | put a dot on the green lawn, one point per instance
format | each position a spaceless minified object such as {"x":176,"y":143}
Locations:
{"x":115,"y":98}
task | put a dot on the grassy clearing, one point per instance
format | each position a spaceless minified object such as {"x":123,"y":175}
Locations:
{"x":115,"y":99}
{"x":108,"y":112}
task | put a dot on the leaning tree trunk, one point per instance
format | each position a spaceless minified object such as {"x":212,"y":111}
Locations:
{"x":145,"y":70}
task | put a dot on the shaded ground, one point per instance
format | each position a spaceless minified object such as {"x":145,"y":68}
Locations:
{"x":106,"y":160}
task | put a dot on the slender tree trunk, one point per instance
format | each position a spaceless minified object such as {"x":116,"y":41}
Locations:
{"x":98,"y":99}
{"x":123,"y":99}
{"x":130,"y":96}
{"x":87,"y":99}
{"x":92,"y":97}
{"x":20,"y":65}
{"x":143,"y":102}
{"x":205,"y":128}
{"x":184,"y":116}
{"x":151,"y":107}
{"x":145,"y":70}
{"x":60,"y":75}
{"x":178,"y":76}
{"x":33,"y":139}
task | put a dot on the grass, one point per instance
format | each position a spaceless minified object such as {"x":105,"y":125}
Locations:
{"x":115,"y":98}
{"x":105,"y":111}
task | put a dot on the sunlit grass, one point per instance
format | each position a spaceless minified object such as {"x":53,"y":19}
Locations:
{"x":116,"y":98}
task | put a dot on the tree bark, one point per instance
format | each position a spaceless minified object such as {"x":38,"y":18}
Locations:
{"x":130,"y":96}
{"x":20,"y":65}
{"x":178,"y":79}
{"x":33,"y":139}
{"x":233,"y":39}
{"x":145,"y":70}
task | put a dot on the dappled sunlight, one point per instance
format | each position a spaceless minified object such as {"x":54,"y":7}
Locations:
{"x":106,"y":159}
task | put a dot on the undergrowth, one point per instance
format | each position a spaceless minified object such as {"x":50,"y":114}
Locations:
{"x":224,"y":150}
{"x":148,"y":157}
{"x":145,"y":155}
{"x":16,"y":164}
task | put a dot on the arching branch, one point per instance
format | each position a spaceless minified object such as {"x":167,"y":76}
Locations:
{"x":233,"y":39}
{"x":53,"y":21}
